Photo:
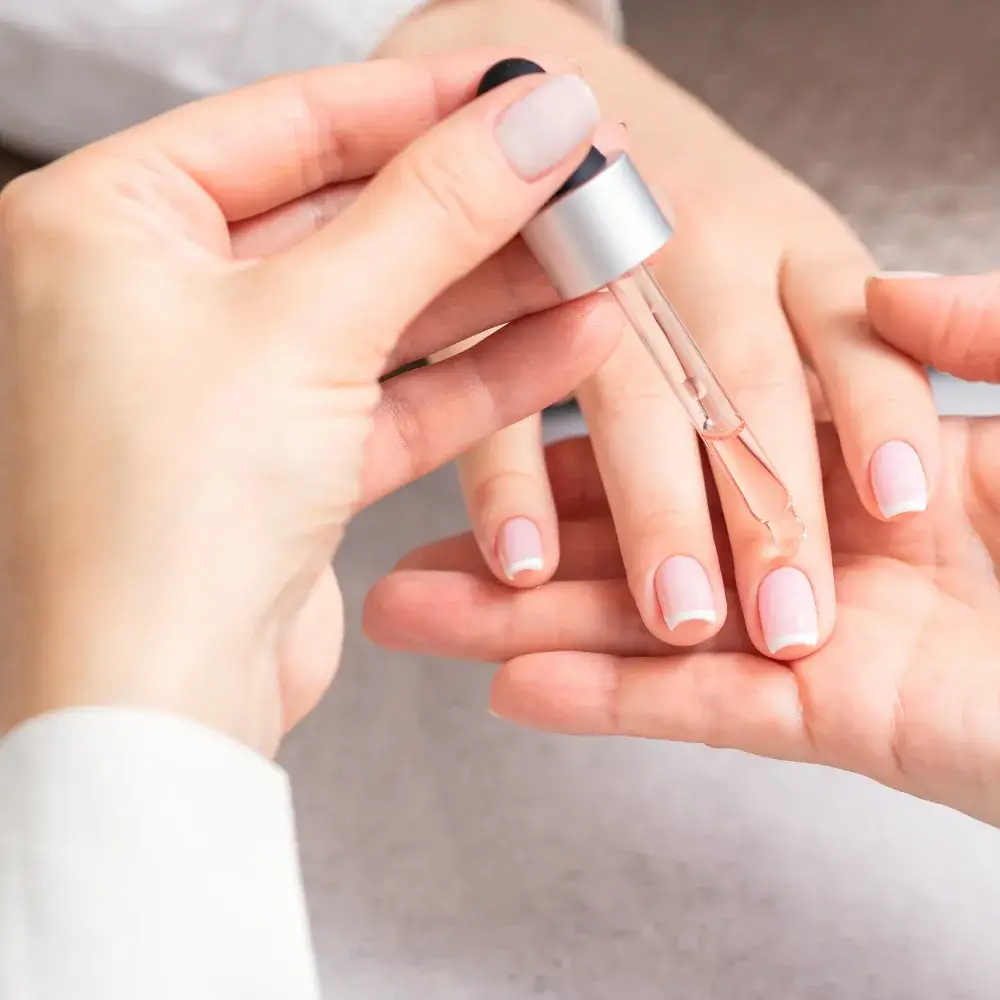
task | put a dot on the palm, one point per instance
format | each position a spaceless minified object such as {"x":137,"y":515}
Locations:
{"x":907,"y":690}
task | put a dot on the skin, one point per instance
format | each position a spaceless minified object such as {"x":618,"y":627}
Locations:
{"x":769,"y":280}
{"x":190,"y":411}
{"x":907,"y":690}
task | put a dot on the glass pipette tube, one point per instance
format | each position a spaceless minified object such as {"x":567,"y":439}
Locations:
{"x":728,"y":439}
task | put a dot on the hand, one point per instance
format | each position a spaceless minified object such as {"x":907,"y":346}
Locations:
{"x":763,"y":272}
{"x":907,"y":690}
{"x":190,"y":402}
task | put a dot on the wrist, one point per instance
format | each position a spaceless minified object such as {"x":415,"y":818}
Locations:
{"x":670,"y":133}
{"x":240,"y":701}
{"x":448,"y":25}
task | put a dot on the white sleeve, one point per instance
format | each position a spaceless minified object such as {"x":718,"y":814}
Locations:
{"x":72,"y":71}
{"x":142,"y":856}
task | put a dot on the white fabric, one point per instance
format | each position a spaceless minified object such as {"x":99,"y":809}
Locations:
{"x":142,"y":856}
{"x":72,"y":71}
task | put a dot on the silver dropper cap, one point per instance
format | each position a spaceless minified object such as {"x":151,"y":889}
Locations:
{"x":599,"y":231}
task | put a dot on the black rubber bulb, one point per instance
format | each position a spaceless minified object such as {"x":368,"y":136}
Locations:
{"x":510,"y":69}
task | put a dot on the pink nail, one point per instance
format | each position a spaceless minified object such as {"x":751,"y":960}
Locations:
{"x":542,"y":128}
{"x":684,"y":592}
{"x":520,"y":547}
{"x":788,"y":610}
{"x":898,"y":479}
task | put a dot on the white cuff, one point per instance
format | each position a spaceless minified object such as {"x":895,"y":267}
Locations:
{"x":142,"y":855}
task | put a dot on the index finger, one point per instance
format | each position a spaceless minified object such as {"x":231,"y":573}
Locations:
{"x":259,"y":147}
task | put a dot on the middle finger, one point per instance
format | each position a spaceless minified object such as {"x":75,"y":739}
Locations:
{"x":735,"y":313}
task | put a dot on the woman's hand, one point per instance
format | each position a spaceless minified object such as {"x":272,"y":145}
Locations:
{"x":770,"y":281}
{"x":906,"y":691}
{"x":191,"y":409}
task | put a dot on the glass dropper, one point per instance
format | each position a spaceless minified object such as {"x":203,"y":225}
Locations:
{"x":598,"y":231}
{"x":729,"y":441}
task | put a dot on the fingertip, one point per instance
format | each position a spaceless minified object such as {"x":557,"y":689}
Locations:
{"x":950,"y":323}
{"x":509,"y":499}
{"x":397,"y":606}
{"x":888,"y":287}
{"x":526,"y":577}
{"x":684,"y":628}
{"x":378,"y":610}
{"x":424,"y":610}
{"x":880,"y":278}
{"x":895,"y":482}
{"x":796,"y":647}
{"x":597,"y":325}
{"x":524,"y":556}
{"x":880,"y":395}
{"x":891,"y":297}
{"x":893,"y":479}
{"x":611,"y":138}
{"x":569,"y":693}
{"x":689,"y":609}
{"x":899,"y":480}
{"x":694,"y":631}
{"x":789,"y":608}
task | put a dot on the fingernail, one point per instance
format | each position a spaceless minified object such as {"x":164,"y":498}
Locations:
{"x":684,"y":592}
{"x":898,"y":479}
{"x":537,"y":132}
{"x":520,"y":547}
{"x":903,"y":275}
{"x":788,"y":610}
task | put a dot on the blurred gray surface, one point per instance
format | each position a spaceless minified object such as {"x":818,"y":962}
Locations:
{"x":450,"y":856}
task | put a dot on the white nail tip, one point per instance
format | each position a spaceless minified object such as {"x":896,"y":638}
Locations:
{"x":791,"y":639}
{"x":532,"y":564}
{"x":917,"y":506}
{"x":702,"y":615}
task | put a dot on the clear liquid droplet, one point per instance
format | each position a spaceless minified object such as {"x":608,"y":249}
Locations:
{"x":787,"y":532}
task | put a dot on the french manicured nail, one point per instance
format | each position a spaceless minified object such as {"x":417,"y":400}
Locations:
{"x":903,"y":275}
{"x":684,"y":592}
{"x":787,"y":608}
{"x":898,"y":479}
{"x":537,"y":132}
{"x":520,"y":547}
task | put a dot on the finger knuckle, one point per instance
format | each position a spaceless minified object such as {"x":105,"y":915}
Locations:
{"x":409,"y":430}
{"x":629,"y":396}
{"x":44,"y":209}
{"x":672,"y":525}
{"x":968,"y":329}
{"x":756,"y":374}
{"x":499,"y":486}
{"x":449,"y":192}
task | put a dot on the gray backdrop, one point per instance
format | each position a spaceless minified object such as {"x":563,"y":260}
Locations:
{"x":450,"y":856}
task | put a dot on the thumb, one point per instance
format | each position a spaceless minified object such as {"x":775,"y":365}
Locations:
{"x":441,"y":207}
{"x":952,"y":324}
